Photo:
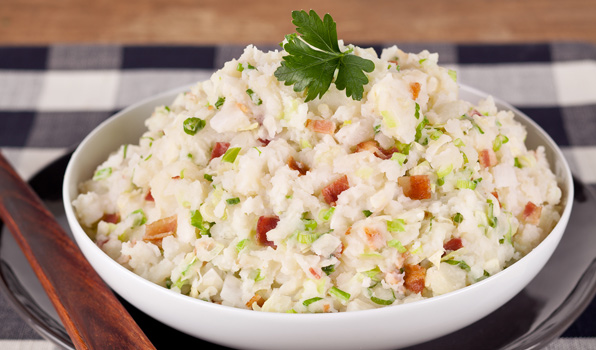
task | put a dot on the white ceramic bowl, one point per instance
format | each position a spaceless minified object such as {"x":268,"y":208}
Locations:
{"x":385,"y":328}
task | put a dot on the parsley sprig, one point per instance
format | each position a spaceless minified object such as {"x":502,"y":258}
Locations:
{"x":314,"y":57}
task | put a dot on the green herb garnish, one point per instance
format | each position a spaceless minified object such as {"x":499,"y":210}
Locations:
{"x":314,"y":57}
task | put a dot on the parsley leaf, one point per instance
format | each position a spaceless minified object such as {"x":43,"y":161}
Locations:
{"x":314,"y":57}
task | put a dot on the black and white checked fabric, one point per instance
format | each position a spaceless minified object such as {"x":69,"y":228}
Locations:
{"x":52,"y":96}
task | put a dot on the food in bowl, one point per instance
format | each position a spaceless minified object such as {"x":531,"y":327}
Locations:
{"x":243,"y":193}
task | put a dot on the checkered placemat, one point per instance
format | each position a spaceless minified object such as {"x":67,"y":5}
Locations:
{"x":52,"y":96}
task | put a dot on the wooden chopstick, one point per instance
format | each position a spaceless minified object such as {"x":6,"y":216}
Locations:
{"x":90,"y":312}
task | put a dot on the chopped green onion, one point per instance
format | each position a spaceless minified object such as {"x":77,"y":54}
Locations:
{"x":307,"y":238}
{"x":168,"y":283}
{"x":465,"y":157}
{"x":208,"y":177}
{"x":242,"y":244}
{"x":123,"y":237}
{"x":148,"y":157}
{"x":309,"y":224}
{"x":239,"y":67}
{"x":419,"y":129}
{"x":440,"y":181}
{"x":220,"y":102}
{"x":516,"y":163}
{"x":403,"y":147}
{"x":102,"y":174}
{"x":139,"y":220}
{"x":258,"y":150}
{"x":340,"y":294}
{"x":380,"y":301}
{"x":310,"y":301}
{"x":469,"y":184}
{"x":444,"y":171}
{"x":373,"y":274}
{"x":492,"y":220}
{"x":422,"y":60}
{"x":458,"y":142}
{"x":458,"y":218}
{"x":417,"y":111}
{"x":256,"y":100}
{"x":193,"y":125}
{"x":124,"y":153}
{"x":452,"y":74}
{"x":259,"y":277}
{"x":326,"y":214}
{"x":394,"y":243}
{"x":182,"y":173}
{"x":462,"y":264}
{"x":204,"y":227}
{"x":399,"y":157}
{"x":499,"y":140}
{"x":396,"y":225}
{"x":250,"y":66}
{"x":230,"y":155}
{"x":367,"y":213}
{"x":167,"y":108}
{"x":232,"y":201}
{"x":189,"y":155}
{"x":377,"y":128}
{"x":436,"y":134}
{"x":328,"y":269}
{"x":185,"y":271}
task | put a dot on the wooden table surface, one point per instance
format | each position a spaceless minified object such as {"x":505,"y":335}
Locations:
{"x":221,"y":21}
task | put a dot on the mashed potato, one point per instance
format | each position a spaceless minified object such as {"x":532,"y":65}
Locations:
{"x":242,"y":194}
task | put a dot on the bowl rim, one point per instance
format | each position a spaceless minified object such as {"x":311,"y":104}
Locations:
{"x":82,"y":238}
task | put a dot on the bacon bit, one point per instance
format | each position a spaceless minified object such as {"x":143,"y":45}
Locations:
{"x":332,"y":191}
{"x":348,"y":231}
{"x":494,"y":193}
{"x":321,"y":126}
{"x":453,"y":244}
{"x":532,"y":213}
{"x":414,"y":280}
{"x":487,"y":158}
{"x":111,"y":218}
{"x":326,"y":308}
{"x":415,"y":186}
{"x":264,"y":225}
{"x":394,"y":62}
{"x":177,"y":177}
{"x":265,"y":142}
{"x":374,"y":147}
{"x":374,"y":238}
{"x":314,"y":273}
{"x":255,"y":299}
{"x":475,"y":112}
{"x":149,"y":197}
{"x":415,"y":87}
{"x":299,"y":166}
{"x":219,"y":149}
{"x":156,"y":231}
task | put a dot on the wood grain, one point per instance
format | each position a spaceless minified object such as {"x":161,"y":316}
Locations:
{"x":90,"y":312}
{"x":221,"y":21}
